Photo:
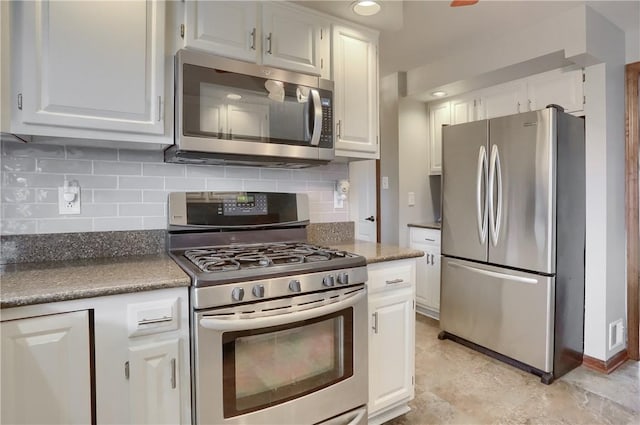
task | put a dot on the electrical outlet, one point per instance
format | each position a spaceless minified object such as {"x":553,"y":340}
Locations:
{"x":616,"y":334}
{"x":411,"y":199}
{"x":69,"y":200}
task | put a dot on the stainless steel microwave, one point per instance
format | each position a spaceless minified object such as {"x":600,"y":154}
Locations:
{"x":233,"y":112}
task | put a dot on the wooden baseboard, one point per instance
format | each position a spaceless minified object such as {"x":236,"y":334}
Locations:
{"x":606,"y":366}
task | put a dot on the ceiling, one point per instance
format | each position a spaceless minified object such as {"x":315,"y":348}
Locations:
{"x":415,"y":33}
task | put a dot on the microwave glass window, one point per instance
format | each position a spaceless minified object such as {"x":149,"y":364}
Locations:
{"x":262,"y":369}
{"x":225,"y":105}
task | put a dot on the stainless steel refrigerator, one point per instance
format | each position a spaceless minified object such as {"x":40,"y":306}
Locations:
{"x":513,"y":235}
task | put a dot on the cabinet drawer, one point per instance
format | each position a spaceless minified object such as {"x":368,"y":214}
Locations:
{"x":390,"y":275}
{"x":425,"y":236}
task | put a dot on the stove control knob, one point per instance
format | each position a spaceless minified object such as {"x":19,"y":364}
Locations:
{"x":294,"y":285}
{"x":343,"y":278}
{"x":258,"y":291}
{"x":329,"y":280}
{"x":237,"y":294}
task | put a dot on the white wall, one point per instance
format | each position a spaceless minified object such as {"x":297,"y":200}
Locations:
{"x":125,"y":189}
{"x":389,"y":156}
{"x":583,"y":37}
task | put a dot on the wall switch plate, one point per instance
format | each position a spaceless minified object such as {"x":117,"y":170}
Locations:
{"x":69,"y":200}
{"x":385,"y":182}
{"x":411,"y":199}
{"x":338,"y":202}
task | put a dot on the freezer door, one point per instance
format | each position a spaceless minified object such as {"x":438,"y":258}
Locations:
{"x":464,"y":190}
{"x":522,"y":155}
{"x":508,"y":312}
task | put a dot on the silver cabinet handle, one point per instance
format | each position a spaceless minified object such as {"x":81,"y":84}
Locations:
{"x":428,"y":258}
{"x":253,"y":39}
{"x":339,"y":129}
{"x":159,"y":108}
{"x":430,"y":240}
{"x":157,"y":320}
{"x":375,"y":323}
{"x":269,"y":43}
{"x":173,"y":373}
{"x":394,"y":281}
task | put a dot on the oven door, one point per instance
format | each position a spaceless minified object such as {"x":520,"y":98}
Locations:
{"x":289,"y":361}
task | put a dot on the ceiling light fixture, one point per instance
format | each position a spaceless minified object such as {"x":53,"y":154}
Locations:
{"x":366,"y":7}
{"x":439,"y":93}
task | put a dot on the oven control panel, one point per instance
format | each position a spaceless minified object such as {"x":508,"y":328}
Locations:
{"x":287,"y":286}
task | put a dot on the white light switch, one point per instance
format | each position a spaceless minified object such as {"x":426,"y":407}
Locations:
{"x":411,"y":199}
{"x":385,"y":182}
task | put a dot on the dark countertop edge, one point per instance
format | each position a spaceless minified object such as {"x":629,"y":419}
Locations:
{"x":26,"y":300}
{"x":432,"y":225}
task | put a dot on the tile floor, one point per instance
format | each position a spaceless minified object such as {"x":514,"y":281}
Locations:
{"x":456,"y":385}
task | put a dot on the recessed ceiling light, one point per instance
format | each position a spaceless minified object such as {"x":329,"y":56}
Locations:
{"x":234,"y":96}
{"x":366,"y":7}
{"x":439,"y":93}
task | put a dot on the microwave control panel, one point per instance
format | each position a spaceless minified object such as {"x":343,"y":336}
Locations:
{"x":326,"y":136}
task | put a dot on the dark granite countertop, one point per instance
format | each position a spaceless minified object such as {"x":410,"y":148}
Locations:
{"x":377,"y":253}
{"x":37,"y":283}
{"x":428,"y":225}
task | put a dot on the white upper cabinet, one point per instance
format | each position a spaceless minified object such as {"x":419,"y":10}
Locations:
{"x":89,"y":69}
{"x":439,"y":115}
{"x":274,"y":34}
{"x":503,"y":99}
{"x":463,"y":110}
{"x":557,"y":87}
{"x":229,"y":28}
{"x":355,"y":75}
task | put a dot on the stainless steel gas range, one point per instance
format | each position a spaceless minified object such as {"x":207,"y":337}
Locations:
{"x":278,"y":325}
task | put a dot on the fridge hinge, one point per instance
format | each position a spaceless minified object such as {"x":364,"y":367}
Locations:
{"x":20,"y":101}
{"x":126,"y":370}
{"x":181,"y":30}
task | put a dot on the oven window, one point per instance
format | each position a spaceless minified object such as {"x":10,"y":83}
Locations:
{"x":269,"y":366}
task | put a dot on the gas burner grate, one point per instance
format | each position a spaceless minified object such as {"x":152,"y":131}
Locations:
{"x":236,"y":257}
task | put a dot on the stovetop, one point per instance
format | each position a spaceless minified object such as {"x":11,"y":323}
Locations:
{"x":215,"y":265}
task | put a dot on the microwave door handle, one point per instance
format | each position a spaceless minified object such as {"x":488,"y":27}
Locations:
{"x":317,"y":117}
{"x":235,"y":324}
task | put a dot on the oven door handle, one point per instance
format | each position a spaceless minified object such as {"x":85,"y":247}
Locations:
{"x":236,"y":324}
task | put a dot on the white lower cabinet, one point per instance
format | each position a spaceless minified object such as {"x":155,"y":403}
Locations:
{"x":140,"y":352}
{"x":427,"y":271}
{"x":391,"y":338}
{"x":46,"y":370}
{"x":154,"y":380}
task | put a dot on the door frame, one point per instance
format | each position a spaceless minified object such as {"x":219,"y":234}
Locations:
{"x":632,"y":144}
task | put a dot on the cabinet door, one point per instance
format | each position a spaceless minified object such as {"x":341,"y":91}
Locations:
{"x":391,"y":348}
{"x":422,"y":276}
{"x":292,"y":39}
{"x":155,"y":383}
{"x":92,"y":65}
{"x":462,"y":110}
{"x":439,"y":115}
{"x":355,"y":75}
{"x":559,"y":87}
{"x":228,"y":28}
{"x":46,"y":366}
{"x":432,"y":278}
{"x":503,"y":99}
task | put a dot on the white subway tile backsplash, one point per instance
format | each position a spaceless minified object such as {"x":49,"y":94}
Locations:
{"x":141,"y":210}
{"x":64,"y":166}
{"x":163,"y":169}
{"x":65,"y":225}
{"x":140,"y":182}
{"x":184,"y":183}
{"x":222,"y":184}
{"x":85,"y":152}
{"x":32,"y":150}
{"x":18,"y":163}
{"x":117,"y":223}
{"x":102,"y":196}
{"x":116,"y":168}
{"x":126,"y":189}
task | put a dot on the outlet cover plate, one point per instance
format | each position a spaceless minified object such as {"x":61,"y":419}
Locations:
{"x":72,"y":207}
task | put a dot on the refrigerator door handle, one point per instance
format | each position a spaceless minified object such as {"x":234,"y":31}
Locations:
{"x":497,"y":275}
{"x":481,"y":210}
{"x":495,"y":176}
